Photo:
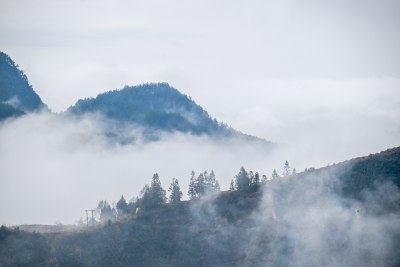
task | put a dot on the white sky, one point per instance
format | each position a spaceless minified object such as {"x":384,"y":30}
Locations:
{"x":322,"y":76}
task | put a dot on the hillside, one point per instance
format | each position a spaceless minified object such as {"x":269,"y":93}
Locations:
{"x":8,"y":111}
{"x":344,"y":215}
{"x":156,"y":108}
{"x":15,"y":89}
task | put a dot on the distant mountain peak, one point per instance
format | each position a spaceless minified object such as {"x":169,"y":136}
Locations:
{"x":157,"y":107}
{"x":15,"y":89}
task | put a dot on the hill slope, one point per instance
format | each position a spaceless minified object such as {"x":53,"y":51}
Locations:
{"x":156,"y":107}
{"x":8,"y":111}
{"x":281,"y":223}
{"x":15,"y":88}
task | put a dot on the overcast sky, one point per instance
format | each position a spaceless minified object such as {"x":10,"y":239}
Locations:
{"x":321,"y":76}
{"x":256,"y":65}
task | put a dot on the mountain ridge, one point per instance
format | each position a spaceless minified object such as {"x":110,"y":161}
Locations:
{"x":15,"y":89}
{"x":157,"y":107}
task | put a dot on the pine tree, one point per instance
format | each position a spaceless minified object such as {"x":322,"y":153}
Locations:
{"x":274,"y":175}
{"x":200,"y":188}
{"x":157,"y":192}
{"x":211,"y":182}
{"x":264,"y":178}
{"x":153,"y":195}
{"x":106,"y":211}
{"x":192,"y":186}
{"x":175,"y":192}
{"x":242,"y":179}
{"x":216,"y":186}
{"x":251,"y":177}
{"x":203,"y":184}
{"x":254,"y":178}
{"x":294,"y":171}
{"x":122,"y":206}
{"x":286,"y":169}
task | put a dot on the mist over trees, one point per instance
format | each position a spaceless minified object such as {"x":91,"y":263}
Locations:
{"x":153,"y":195}
{"x":202,"y":184}
{"x":105,"y":211}
{"x":263,"y":223}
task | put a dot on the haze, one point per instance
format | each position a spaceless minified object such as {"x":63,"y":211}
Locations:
{"x":320,"y":79}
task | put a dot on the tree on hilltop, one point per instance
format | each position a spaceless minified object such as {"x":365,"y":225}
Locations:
{"x":175,"y":191}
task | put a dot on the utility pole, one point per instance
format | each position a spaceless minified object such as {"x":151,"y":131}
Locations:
{"x":87,"y":217}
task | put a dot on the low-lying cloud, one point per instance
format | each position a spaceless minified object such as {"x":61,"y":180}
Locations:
{"x":54,"y":167}
{"x":304,"y":221}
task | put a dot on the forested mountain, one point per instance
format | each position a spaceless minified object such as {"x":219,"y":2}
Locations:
{"x":342,"y":215}
{"x":15,"y":89}
{"x":156,"y":107}
{"x":8,"y":111}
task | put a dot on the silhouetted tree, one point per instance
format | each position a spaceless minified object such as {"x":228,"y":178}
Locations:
{"x":294,"y":171}
{"x":157,"y":192}
{"x":106,"y":211}
{"x":175,"y":191}
{"x":122,"y":206}
{"x":274,"y":175}
{"x":153,"y":195}
{"x":200,"y":187}
{"x":211,"y":184}
{"x":254,"y":178}
{"x":192,"y":186}
{"x":242,"y":179}
{"x":264,"y":178}
{"x":204,"y":183}
{"x":286,"y":169}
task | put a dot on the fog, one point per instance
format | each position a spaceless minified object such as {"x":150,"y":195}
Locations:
{"x":323,"y":228}
{"x":54,"y":167}
{"x":305,"y":222}
{"x":321,"y":80}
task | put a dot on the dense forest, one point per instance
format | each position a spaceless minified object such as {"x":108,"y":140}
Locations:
{"x":15,"y":88}
{"x":346,"y":214}
{"x":156,"y":108}
{"x":8,"y":111}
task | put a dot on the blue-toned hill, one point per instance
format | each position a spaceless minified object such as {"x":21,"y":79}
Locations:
{"x":156,"y":107}
{"x":7,"y":111}
{"x":15,"y":89}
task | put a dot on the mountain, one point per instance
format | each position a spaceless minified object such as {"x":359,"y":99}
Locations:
{"x":364,"y":173}
{"x":15,"y":89}
{"x":8,"y":111}
{"x":280,"y":223}
{"x":157,"y":107}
